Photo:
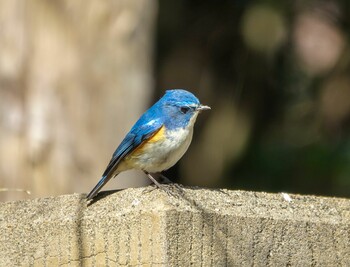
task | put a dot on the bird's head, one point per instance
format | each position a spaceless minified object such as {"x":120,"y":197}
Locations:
{"x":180,"y":108}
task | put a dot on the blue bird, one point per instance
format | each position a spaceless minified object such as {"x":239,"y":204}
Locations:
{"x":157,"y":140}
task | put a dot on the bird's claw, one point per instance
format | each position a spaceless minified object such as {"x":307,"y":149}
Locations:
{"x":167,"y":189}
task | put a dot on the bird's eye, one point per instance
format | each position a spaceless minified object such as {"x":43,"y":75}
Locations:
{"x":184,"y":110}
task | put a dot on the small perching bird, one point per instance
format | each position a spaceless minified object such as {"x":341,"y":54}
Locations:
{"x":158,"y":139}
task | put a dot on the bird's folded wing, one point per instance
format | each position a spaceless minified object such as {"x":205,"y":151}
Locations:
{"x":132,"y":141}
{"x":137,"y":135}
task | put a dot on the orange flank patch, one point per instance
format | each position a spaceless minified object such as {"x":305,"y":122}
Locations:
{"x":157,"y":136}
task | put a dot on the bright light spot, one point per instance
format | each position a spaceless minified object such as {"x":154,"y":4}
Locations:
{"x":286,"y":197}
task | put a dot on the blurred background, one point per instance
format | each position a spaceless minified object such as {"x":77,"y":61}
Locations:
{"x":76,"y":75}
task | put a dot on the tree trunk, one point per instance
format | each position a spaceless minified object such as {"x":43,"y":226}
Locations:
{"x":74,"y":76}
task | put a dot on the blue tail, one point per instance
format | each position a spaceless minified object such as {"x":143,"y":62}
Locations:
{"x":98,"y":187}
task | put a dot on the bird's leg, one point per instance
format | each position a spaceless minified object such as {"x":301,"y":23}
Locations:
{"x":153,"y":179}
{"x":168,"y":181}
{"x":164,"y":188}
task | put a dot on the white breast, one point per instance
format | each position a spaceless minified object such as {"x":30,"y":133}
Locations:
{"x":162,"y":155}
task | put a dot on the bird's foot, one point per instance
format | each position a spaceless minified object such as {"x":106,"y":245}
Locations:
{"x":167,"y":188}
{"x":166,"y":180}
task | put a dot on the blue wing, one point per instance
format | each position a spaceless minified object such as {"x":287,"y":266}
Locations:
{"x":137,"y":135}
